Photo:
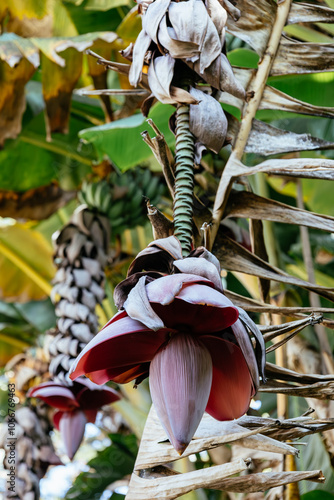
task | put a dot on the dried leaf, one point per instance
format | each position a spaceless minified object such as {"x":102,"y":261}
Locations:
{"x":36,"y":204}
{"x":235,"y":257}
{"x":259,"y":248}
{"x":176,"y":48}
{"x":139,"y":50}
{"x":202,"y":115}
{"x":260,"y":307}
{"x":160,"y":75}
{"x":154,"y":450}
{"x":153,"y":16}
{"x":255,"y":25}
{"x":179,"y":484}
{"x":220,"y":75}
{"x":157,"y":256}
{"x":275,"y":99}
{"x":317,"y":168}
{"x":247,"y":204}
{"x":218,"y":15}
{"x":12,"y":98}
{"x":300,"y":58}
{"x":58,"y":83}
{"x":192,"y":23}
{"x":267,"y":480}
{"x":265,"y":139}
{"x":309,"y":13}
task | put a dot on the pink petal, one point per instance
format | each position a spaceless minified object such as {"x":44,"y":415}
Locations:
{"x":246,"y":347}
{"x":123,"y":343}
{"x":91,"y":415}
{"x":165,"y":289}
{"x":232,"y":385}
{"x":57,"y":396}
{"x":56,"y":418}
{"x":121,"y":375}
{"x":180,"y":382}
{"x":200,"y":267}
{"x":93,"y":396}
{"x":193,"y":304}
{"x":72,"y":428}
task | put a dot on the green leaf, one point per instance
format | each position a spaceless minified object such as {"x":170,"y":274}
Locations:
{"x":30,"y":161}
{"x":109,"y":465}
{"x":314,"y":456}
{"x":106,"y":4}
{"x":20,"y":324}
{"x":317,"y":495}
{"x":85,"y":20}
{"x":244,"y":58}
{"x":316,"y":89}
{"x":126,"y":148}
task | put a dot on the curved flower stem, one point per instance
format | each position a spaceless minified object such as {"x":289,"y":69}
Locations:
{"x":184,"y":179}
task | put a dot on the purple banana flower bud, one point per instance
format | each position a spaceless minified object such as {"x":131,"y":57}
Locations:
{"x":72,"y":428}
{"x":180,"y":384}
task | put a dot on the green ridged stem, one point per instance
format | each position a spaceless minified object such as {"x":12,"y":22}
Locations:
{"x":184,"y":179}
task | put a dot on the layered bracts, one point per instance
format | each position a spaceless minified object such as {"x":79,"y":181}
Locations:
{"x":177,"y":326}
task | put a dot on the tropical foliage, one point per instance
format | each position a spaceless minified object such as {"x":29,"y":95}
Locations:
{"x":73,"y":131}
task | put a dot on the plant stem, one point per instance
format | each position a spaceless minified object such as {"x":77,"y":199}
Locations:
{"x":257,"y":84}
{"x":184,"y":179}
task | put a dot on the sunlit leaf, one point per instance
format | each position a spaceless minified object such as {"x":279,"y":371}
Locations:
{"x":127,"y":149}
{"x":26,"y":264}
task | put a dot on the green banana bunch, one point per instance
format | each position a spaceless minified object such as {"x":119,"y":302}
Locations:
{"x":122,"y":198}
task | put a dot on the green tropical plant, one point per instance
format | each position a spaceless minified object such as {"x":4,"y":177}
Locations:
{"x":267,"y":196}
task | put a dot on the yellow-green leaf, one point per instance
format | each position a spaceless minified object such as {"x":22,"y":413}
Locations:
{"x":26,"y":265}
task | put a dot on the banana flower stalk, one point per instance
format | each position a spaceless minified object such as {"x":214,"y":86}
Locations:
{"x":181,"y":331}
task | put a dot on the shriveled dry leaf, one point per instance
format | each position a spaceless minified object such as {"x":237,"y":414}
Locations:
{"x":176,"y":48}
{"x":266,"y":480}
{"x":316,"y":168}
{"x":253,"y":305}
{"x":255,"y":23}
{"x":153,"y":16}
{"x":173,"y":486}
{"x":139,"y":50}
{"x":309,"y":13}
{"x":275,"y":99}
{"x":220,"y":75}
{"x":155,"y":450}
{"x":301,"y":58}
{"x":249,"y":205}
{"x":192,"y":23}
{"x":202,"y":115}
{"x":58,"y":83}
{"x":12,"y":98}
{"x":235,"y":257}
{"x":36,"y":204}
{"x":265,"y":139}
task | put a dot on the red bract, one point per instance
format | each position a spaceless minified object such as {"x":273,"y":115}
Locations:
{"x":76,"y":404}
{"x":177,"y":329}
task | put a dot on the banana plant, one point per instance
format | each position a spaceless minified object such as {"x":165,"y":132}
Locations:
{"x":180,"y":49}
